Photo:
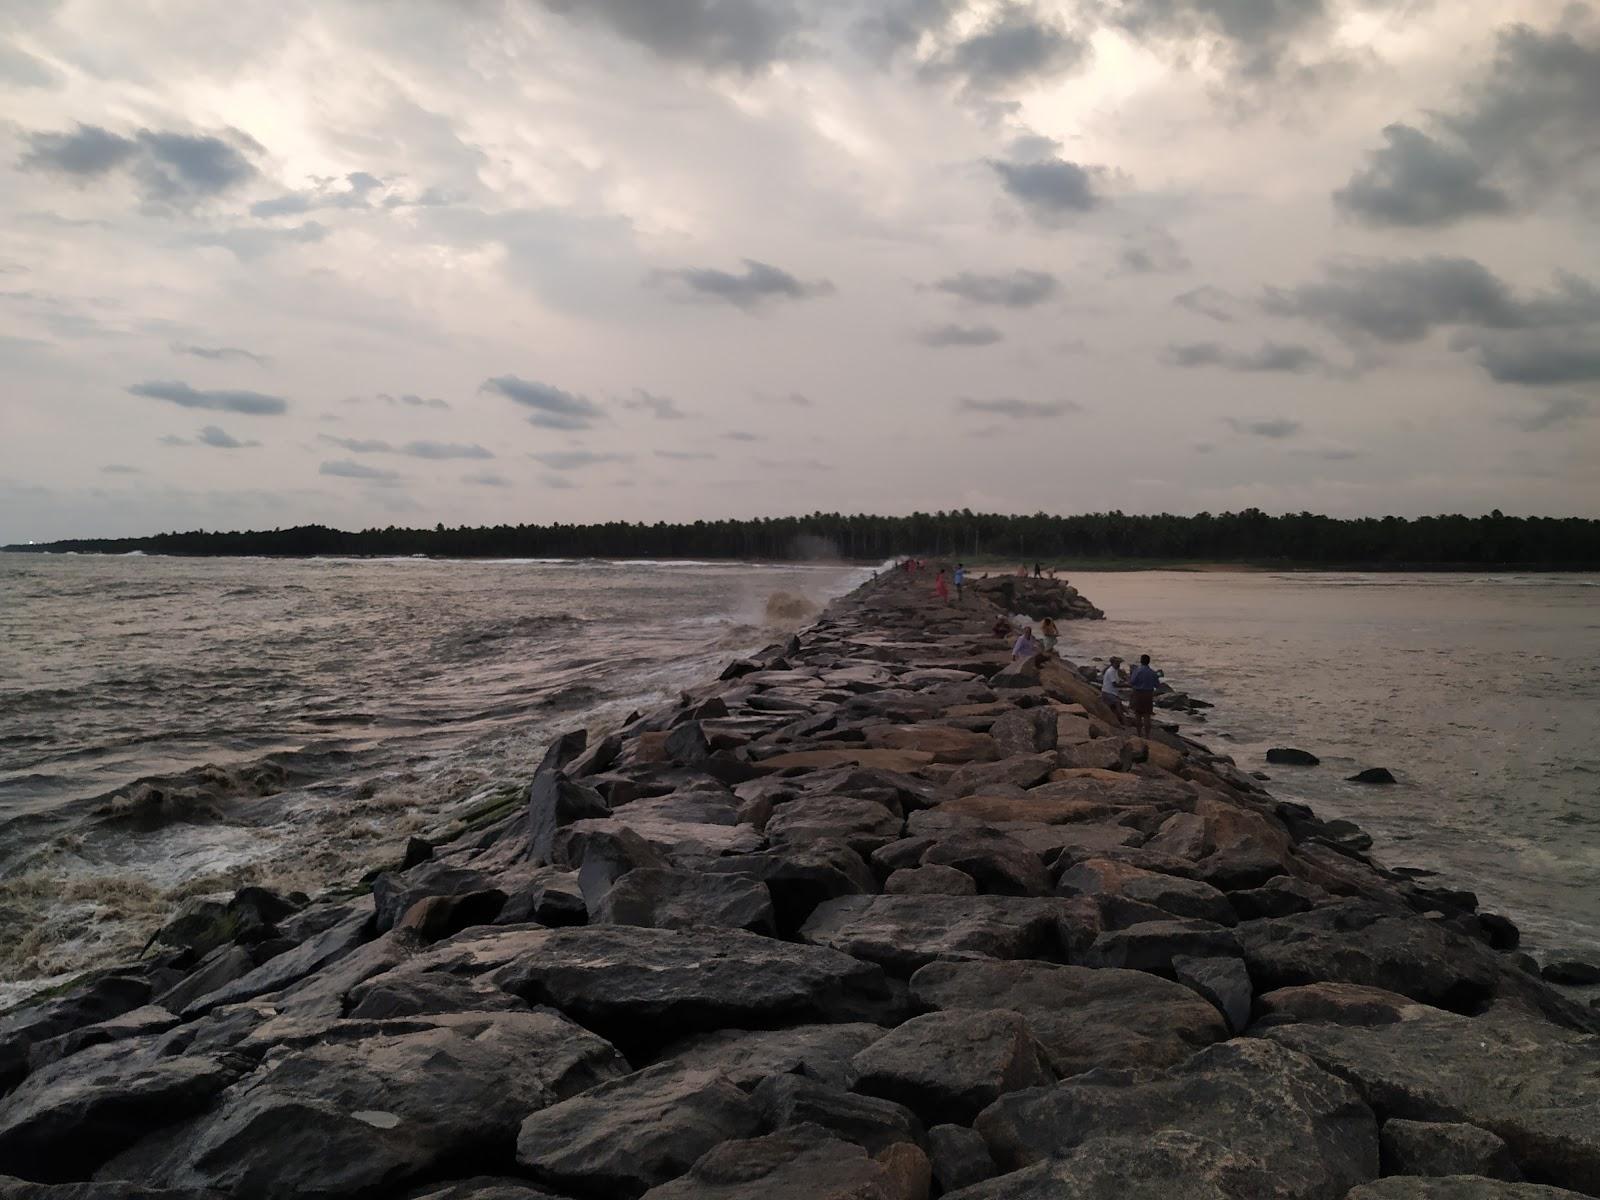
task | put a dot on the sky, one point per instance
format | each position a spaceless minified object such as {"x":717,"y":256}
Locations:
{"x":395,"y":263}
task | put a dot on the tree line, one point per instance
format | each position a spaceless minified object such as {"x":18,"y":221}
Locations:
{"x":1251,"y":536}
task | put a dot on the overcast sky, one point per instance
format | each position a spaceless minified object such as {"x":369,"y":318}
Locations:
{"x":536,"y":260}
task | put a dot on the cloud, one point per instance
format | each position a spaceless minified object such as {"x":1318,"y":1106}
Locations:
{"x":443,"y":450}
{"x":1012,"y":289}
{"x":24,"y":69}
{"x":249,"y":242}
{"x":663,"y":408}
{"x":169,"y":168}
{"x":252,"y":403}
{"x":1415,"y":182}
{"x":758,"y":285}
{"x":1152,"y":252}
{"x":741,"y":35}
{"x":741,"y":435}
{"x":120,"y":469}
{"x":552,"y":407}
{"x":343,"y":468}
{"x":1051,"y":191}
{"x":1554,"y":412}
{"x":356,"y":192}
{"x":1210,"y":302}
{"x":221,"y":440}
{"x":1403,"y":300}
{"x":1276,"y":428}
{"x":1271,"y":356}
{"x":1017,"y":410}
{"x":486,"y":479}
{"x":1250,"y":37}
{"x":358,"y":445}
{"x":793,"y":399}
{"x":561,"y":483}
{"x":960,"y":335}
{"x":410,"y":400}
{"x":685,"y":455}
{"x":790,"y":464}
{"x":219,"y":353}
{"x":1539,"y":360}
{"x":1016,"y":47}
{"x":1330,"y":454}
{"x":575,"y":460}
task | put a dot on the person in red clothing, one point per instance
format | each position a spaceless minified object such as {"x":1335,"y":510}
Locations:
{"x":941,"y":586}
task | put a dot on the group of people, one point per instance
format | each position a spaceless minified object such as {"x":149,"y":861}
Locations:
{"x":941,"y":585}
{"x":1142,"y":681}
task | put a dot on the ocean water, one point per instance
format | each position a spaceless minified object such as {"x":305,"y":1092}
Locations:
{"x":372,"y":697}
{"x":376,"y":696}
{"x":1480,"y":692}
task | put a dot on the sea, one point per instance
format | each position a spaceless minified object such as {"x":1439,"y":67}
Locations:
{"x":323,"y":710}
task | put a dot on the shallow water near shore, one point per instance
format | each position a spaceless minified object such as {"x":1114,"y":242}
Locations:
{"x":373,"y":698}
{"x":1480,"y":692}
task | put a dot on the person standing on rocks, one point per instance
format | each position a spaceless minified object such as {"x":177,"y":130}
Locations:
{"x":1144,"y":682}
{"x":960,"y":579}
{"x":941,"y":586}
{"x":1109,"y":682}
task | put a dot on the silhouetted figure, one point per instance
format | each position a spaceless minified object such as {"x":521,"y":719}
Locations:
{"x":1144,"y":682}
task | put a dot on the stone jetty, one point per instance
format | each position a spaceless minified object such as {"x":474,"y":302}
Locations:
{"x":877,"y":915}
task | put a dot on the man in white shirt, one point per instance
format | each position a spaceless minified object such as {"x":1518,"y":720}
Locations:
{"x":1109,"y":695}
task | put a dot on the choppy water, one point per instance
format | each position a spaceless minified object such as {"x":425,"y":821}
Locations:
{"x":1481,"y":694}
{"x":382,"y":692}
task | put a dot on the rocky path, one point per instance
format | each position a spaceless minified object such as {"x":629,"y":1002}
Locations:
{"x":877,"y":916}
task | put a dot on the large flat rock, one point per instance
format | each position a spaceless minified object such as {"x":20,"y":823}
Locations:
{"x":1509,"y":1071}
{"x":1456,"y":1187}
{"x":805,"y":1162}
{"x":906,"y":932}
{"x":747,"y":1056}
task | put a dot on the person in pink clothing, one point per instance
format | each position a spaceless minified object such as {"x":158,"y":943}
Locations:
{"x":941,"y":586}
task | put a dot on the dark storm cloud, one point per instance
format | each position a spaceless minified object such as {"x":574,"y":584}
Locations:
{"x":1276,"y":428}
{"x":552,"y":407}
{"x":1152,"y":252}
{"x":175,"y":392}
{"x":1541,"y":360}
{"x":759,"y":284}
{"x":1013,"y":289}
{"x":1554,"y":412}
{"x":1049,"y":191}
{"x":443,"y":450}
{"x":684,"y":455}
{"x":576,"y":460}
{"x":1271,"y":356}
{"x":1016,"y":46}
{"x":1415,"y":181}
{"x":358,"y":445}
{"x":219,"y":353}
{"x":663,"y":408}
{"x":893,"y":25}
{"x":1254,"y":35}
{"x":1210,"y":302}
{"x":220,"y":439}
{"x":744,"y":35}
{"x":960,"y":335}
{"x":486,"y":479}
{"x":1402,"y":300}
{"x":343,"y":468}
{"x":169,"y":168}
{"x":1017,"y":410}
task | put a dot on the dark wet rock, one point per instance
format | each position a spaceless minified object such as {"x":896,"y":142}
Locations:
{"x":805,"y":1162}
{"x":428,"y":995}
{"x":1237,"y":1120}
{"x":870,"y":1122}
{"x":394,"y":895}
{"x":1371,"y":775}
{"x":1182,"y":835}
{"x":598,"y":758}
{"x":747,"y":1056}
{"x":418,"y":850}
{"x":337,"y":1118}
{"x":687,"y":745}
{"x":948,"y":1066}
{"x":645,"y":987}
{"x":1082,"y":1018}
{"x":930,"y":881}
{"x":1021,"y":770}
{"x":1001,"y":865}
{"x":66,"y":1119}
{"x":863,"y":825}
{"x":799,"y":878}
{"x":1279,"y":897}
{"x":100,"y":999}
{"x":1444,"y":1148}
{"x":1172,"y":894}
{"x":1223,"y":981}
{"x":1019,"y":673}
{"x":140,"y":1022}
{"x":900,"y":855}
{"x":1025,"y":731}
{"x":1507,"y":1071}
{"x":945,"y":743}
{"x":1571,"y":971}
{"x":549,"y":895}
{"x":666,"y":899}
{"x":1339,"y":1003}
{"x":554,"y":801}
{"x":906,"y":932}
{"x":12,"y":1188}
{"x":1500,"y":932}
{"x":605,"y":856}
{"x":1288,"y":756}
{"x":482,"y":1187}
{"x":624,"y":1136}
{"x":1153,"y":945}
{"x":1357,"y":943}
{"x":959,"y":1157}
{"x":1456,"y":1187}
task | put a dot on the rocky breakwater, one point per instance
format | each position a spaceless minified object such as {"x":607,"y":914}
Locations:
{"x":878,"y":915}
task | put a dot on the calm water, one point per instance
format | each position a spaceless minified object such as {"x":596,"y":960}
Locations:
{"x":1481,"y":694}
{"x":389,"y":691}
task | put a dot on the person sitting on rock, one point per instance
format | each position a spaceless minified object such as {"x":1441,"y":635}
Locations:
{"x":1025,"y":646}
{"x":1109,"y":682}
{"x":1048,"y":633}
{"x":1144,"y":682}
